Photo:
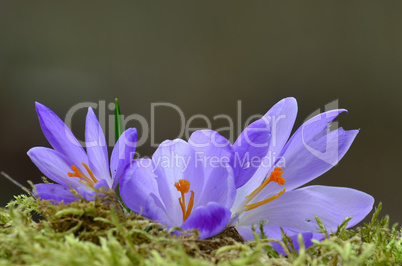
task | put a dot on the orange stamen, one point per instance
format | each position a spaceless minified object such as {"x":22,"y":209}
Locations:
{"x":190,"y":204}
{"x":183,"y":209}
{"x":258,"y":204}
{"x":275,"y":176}
{"x":184,"y":186}
{"x":90,"y":173}
{"x":80,"y":175}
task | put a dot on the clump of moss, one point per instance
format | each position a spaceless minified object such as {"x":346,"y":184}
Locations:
{"x":85,"y":220}
{"x":101,"y":232}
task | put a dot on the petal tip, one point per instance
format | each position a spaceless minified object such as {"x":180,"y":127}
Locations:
{"x":30,"y":151}
{"x":40,"y":107}
{"x":291,"y":99}
{"x":38,"y":104}
{"x":132,"y":134}
{"x":90,"y":110}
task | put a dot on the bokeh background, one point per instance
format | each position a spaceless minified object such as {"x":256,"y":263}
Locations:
{"x":204,"y":57}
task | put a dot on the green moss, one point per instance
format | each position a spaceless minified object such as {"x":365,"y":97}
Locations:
{"x":102,"y":233}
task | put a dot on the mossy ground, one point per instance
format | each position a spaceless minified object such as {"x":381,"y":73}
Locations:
{"x":101,"y":233}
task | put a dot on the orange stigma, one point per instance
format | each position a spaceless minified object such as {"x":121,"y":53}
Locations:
{"x":84,"y":178}
{"x":184,"y":186}
{"x":276,"y":176}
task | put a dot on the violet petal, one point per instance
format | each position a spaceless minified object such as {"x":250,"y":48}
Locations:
{"x":220,"y":187}
{"x":297,"y":208}
{"x":53,"y":165}
{"x":302,"y":166}
{"x":60,"y":136}
{"x":214,"y":153}
{"x":262,"y":139}
{"x":96,"y":148}
{"x":155,"y":210}
{"x":123,"y":154}
{"x":175,"y":160}
{"x":137,"y":183}
{"x":54,"y":193}
{"x":212,"y":149}
{"x":209,"y":220}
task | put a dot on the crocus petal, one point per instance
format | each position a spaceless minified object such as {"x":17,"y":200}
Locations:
{"x":297,"y":208}
{"x":122,"y":154}
{"x":219,"y":187}
{"x":155,"y":210}
{"x":54,"y":193}
{"x":96,"y":148}
{"x":137,"y":183}
{"x":209,"y":220}
{"x":249,"y":149}
{"x":60,"y":136}
{"x":53,"y":165}
{"x":262,"y":139}
{"x":212,"y":149}
{"x":175,"y":160}
{"x":313,"y":150}
{"x":214,"y":153}
{"x":309,"y":156}
{"x":283,"y":116}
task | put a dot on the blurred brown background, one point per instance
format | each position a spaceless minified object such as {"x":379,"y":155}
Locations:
{"x":204,"y":57}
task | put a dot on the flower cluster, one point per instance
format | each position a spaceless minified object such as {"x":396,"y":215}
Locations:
{"x":210,"y":196}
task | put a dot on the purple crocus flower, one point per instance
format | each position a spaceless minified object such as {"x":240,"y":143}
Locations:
{"x":178,"y":188}
{"x":269,"y":168}
{"x":70,"y":166}
{"x":267,"y":190}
